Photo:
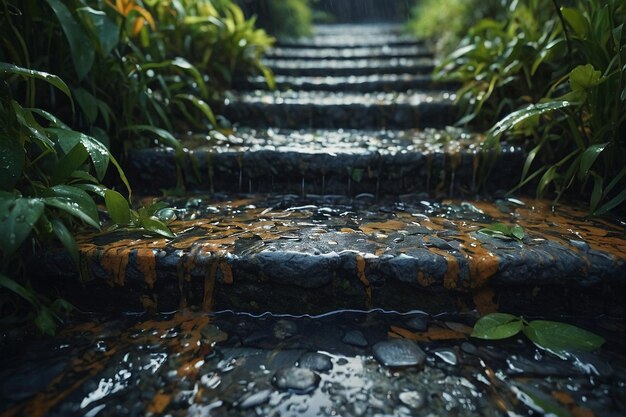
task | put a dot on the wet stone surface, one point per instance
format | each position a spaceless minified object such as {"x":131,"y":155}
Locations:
{"x":292,"y":254}
{"x":191,"y":364}
{"x":372,"y":52}
{"x":350,"y":67}
{"x":348,"y":162}
{"x":362,"y":83}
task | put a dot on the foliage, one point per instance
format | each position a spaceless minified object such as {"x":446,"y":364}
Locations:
{"x":49,"y":178}
{"x":285,"y":18}
{"x":554,"y":77}
{"x":503,"y":231}
{"x":557,"y":338}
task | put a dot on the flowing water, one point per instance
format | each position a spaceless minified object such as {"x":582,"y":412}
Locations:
{"x":344,"y":363}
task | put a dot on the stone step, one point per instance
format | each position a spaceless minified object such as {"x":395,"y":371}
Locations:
{"x":335,"y":110}
{"x":375,"y":52}
{"x":363,"y":83}
{"x":286,"y":254}
{"x":359,"y":29}
{"x":351,"y":162}
{"x":348,"y":67}
{"x":350,"y":41}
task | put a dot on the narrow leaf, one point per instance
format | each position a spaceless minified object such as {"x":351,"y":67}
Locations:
{"x":66,"y":238}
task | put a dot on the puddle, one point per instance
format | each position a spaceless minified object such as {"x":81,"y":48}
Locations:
{"x":228,"y":364}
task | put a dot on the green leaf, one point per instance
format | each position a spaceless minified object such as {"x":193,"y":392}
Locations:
{"x":18,"y":216}
{"x":518,"y":232}
{"x":155,"y":225}
{"x":561,"y":338}
{"x":29,"y":73}
{"x":589,"y":157}
{"x":497,"y":326}
{"x":88,"y":103}
{"x":164,"y":136}
{"x":118,"y":207}
{"x":67,"y":165}
{"x":99,"y":154}
{"x":74,"y":201}
{"x":596,"y":193}
{"x":584,"y":77}
{"x":576,"y":20}
{"x":81,"y":48}
{"x":200,"y":105}
{"x":12,"y":159}
{"x":44,"y":320}
{"x":543,"y":402}
{"x":66,"y":238}
{"x":105,"y":29}
{"x":546,"y":179}
{"x":183,"y":64}
{"x":519,"y":116}
{"x":23,"y":292}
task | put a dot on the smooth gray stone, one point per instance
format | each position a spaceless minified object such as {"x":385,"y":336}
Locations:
{"x":354,"y":338}
{"x":255,"y":399}
{"x":315,"y":361}
{"x":398,"y":353}
{"x":296,"y":380}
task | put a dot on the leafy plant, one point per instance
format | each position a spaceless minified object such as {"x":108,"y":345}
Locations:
{"x":554,"y":77}
{"x":504,"y":231}
{"x":558,"y":338}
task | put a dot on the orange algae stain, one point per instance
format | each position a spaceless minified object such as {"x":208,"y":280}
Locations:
{"x":159,"y":403}
{"x":383,"y":227}
{"x":484,"y":300}
{"x":209,"y":287}
{"x":483,"y":264}
{"x":360,"y":270}
{"x":432,"y":334}
{"x":227,"y":272}
{"x":146,"y":263}
{"x":424,"y":280}
{"x":114,"y":261}
{"x":567,"y":400}
{"x":451,"y":277}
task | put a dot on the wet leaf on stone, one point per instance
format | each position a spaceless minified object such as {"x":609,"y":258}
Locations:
{"x":118,"y":207}
{"x":497,"y":326}
{"x":504,"y":231}
{"x":561,"y":338}
{"x":155,"y":225}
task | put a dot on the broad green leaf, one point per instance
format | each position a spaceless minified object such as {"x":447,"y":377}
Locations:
{"x":155,"y":225}
{"x":576,"y":20}
{"x":55,"y":81}
{"x":18,"y":216}
{"x":118,"y":207}
{"x":519,"y":116}
{"x":105,"y":29}
{"x":12,"y":159}
{"x":74,"y":201}
{"x":589,"y":158}
{"x":68,"y":164}
{"x":518,"y":232}
{"x":497,"y":326}
{"x":561,"y":338}
{"x":65,"y":237}
{"x":23,"y":292}
{"x":61,"y":306}
{"x":81,"y":48}
{"x":584,"y":77}
{"x":88,"y":103}
{"x":99,"y":154}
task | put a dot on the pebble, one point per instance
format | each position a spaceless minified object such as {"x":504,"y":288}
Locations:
{"x":316,"y":362}
{"x":418,"y":323}
{"x":354,"y":338}
{"x":255,"y":399}
{"x":296,"y":380}
{"x":448,"y":356}
{"x":412,"y":399}
{"x":284,"y":329}
{"x":397,"y":353}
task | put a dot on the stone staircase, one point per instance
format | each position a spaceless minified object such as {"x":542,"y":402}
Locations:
{"x":345,"y":188}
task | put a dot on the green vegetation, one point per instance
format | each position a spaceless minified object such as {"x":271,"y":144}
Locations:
{"x":558,"y":338}
{"x":80,"y":82}
{"x":284,"y":18}
{"x":504,"y":231}
{"x":551,"y":76}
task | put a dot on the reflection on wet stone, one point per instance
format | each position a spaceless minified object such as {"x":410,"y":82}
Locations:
{"x":297,"y":380}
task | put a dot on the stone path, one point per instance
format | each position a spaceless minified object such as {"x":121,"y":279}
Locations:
{"x":345,"y":197}
{"x":341,"y":193}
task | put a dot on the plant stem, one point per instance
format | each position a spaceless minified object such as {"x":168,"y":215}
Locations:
{"x":559,"y":13}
